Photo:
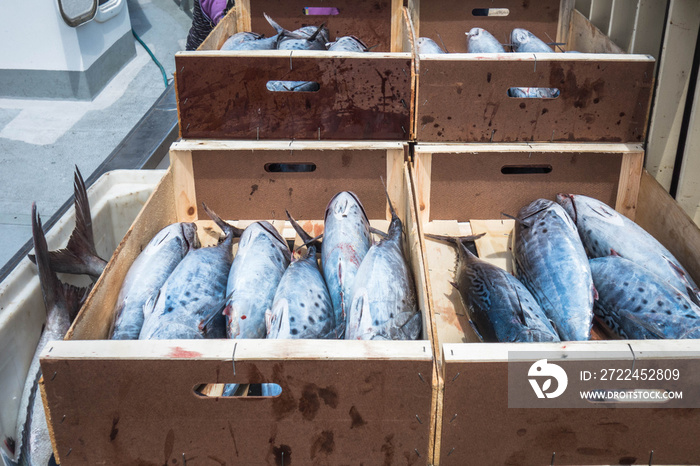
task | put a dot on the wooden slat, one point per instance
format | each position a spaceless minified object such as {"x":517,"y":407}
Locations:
{"x":622,"y":21}
{"x":600,"y":13}
{"x":628,"y":188}
{"x":463,"y":98}
{"x":183,"y":185}
{"x":243,"y":18}
{"x":565,"y":16}
{"x":585,"y":37}
{"x":649,"y":27}
{"x":674,"y":74}
{"x":225,"y":29}
{"x":688,"y":193}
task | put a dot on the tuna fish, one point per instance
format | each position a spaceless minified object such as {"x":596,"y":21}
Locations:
{"x":534,"y":92}
{"x":79,"y":256}
{"x":238,"y":38}
{"x":552,"y":264}
{"x":292,"y":86}
{"x":428,"y":45}
{"x":604,"y":232}
{"x":62,"y":302}
{"x":347,"y":44}
{"x":481,"y":41}
{"x":383,"y":299}
{"x":500,"y":308}
{"x":147,"y":275}
{"x":635,"y":303}
{"x":189,"y":304}
{"x":266,"y":43}
{"x":293,"y":41}
{"x":523,"y":40}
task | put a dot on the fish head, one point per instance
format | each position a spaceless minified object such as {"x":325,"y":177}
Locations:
{"x":567,"y":202}
{"x":475,"y":33}
{"x":533,"y":208}
{"x":343,"y":204}
{"x":583,"y":209}
{"x":519,"y":37}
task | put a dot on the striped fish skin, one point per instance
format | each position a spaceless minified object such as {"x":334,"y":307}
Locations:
{"x":428,"y":45}
{"x":499,"y":306}
{"x":481,"y":41}
{"x":635,"y":303}
{"x":526,"y":42}
{"x":147,"y":275}
{"x":193,"y":294}
{"x":346,"y":240}
{"x":347,"y":44}
{"x":302,"y":307}
{"x":238,"y":38}
{"x":257,"y":269}
{"x":603,"y":230}
{"x":551,"y":262}
{"x":384,"y":299}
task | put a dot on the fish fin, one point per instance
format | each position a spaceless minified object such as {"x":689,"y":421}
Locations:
{"x":227,"y":228}
{"x":614,"y":253}
{"x":596,"y":296}
{"x":693,"y":294}
{"x":214,"y":326}
{"x":654,"y":330}
{"x":378,"y":232}
{"x":391,"y":206}
{"x":268,"y":321}
{"x":412,"y":327}
{"x":454,"y":285}
{"x":305,"y":237}
{"x":454,"y":239}
{"x":74,"y":298}
{"x":318,"y":30}
{"x":476,"y":330}
{"x":47,"y":277}
{"x":274,"y":24}
{"x":6,"y":460}
{"x":520,"y":312}
{"x":518,"y":220}
{"x":444,"y":47}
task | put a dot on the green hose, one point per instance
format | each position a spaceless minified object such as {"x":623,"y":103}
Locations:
{"x":162,"y":70}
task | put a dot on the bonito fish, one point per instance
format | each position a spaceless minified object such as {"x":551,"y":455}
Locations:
{"x":481,"y":41}
{"x":347,"y":44}
{"x":637,"y":304}
{"x":238,"y":38}
{"x":147,"y":275}
{"x":428,"y":45}
{"x":525,"y":41}
{"x":552,"y":264}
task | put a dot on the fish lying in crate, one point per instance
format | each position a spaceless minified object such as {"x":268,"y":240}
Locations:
{"x":632,"y":285}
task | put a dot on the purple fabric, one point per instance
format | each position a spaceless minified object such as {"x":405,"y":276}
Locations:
{"x":213,"y":9}
{"x":320,"y":11}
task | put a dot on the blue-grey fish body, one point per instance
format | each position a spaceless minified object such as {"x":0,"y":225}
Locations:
{"x":347,"y":44}
{"x":604,"y":231}
{"x":257,"y":269}
{"x":635,"y":303}
{"x":302,"y":307}
{"x":534,"y":92}
{"x":525,"y":41}
{"x":266,"y":43}
{"x":292,"y":86}
{"x":346,"y":240}
{"x":147,"y":275}
{"x":292,"y":42}
{"x":428,"y":45}
{"x":500,"y":307}
{"x":481,"y":41}
{"x":551,"y":262}
{"x":304,"y":38}
{"x":239,"y":38}
{"x":193,"y":294}
{"x":383,"y":298}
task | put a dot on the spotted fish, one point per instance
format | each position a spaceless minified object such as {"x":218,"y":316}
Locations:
{"x":147,"y":275}
{"x":481,"y":41}
{"x":428,"y":45}
{"x":192,"y":298}
{"x":523,"y":40}
{"x":500,"y":308}
{"x":238,"y":38}
{"x":264,"y":43}
{"x":551,"y":262}
{"x":637,"y":304}
{"x":383,"y":299}
{"x":347,"y":44}
{"x":292,"y":86}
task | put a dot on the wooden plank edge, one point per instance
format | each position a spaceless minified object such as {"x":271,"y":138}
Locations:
{"x":591,"y":38}
{"x":243,"y":20}
{"x":628,"y":186}
{"x":184,"y":145}
{"x":287,"y":54}
{"x":49,"y":420}
{"x":566,"y":10}
{"x":573,"y":147}
{"x":177,"y":105}
{"x":225,"y":29}
{"x":184,"y":191}
{"x":561,"y":58}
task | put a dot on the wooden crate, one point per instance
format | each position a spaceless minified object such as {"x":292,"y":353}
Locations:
{"x":463,"y":97}
{"x":343,"y":402}
{"x":458,"y":188}
{"x":368,"y":96}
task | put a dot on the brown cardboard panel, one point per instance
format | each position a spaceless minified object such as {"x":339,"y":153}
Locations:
{"x":225,"y":97}
{"x":467,"y":100}
{"x":237,"y":186}
{"x":577,"y":436}
{"x":472,"y":186}
{"x":330,"y":412}
{"x":449,"y":20}
{"x":369,"y":20}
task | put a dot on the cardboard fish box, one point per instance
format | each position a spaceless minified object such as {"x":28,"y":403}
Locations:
{"x":463,"y":189}
{"x":604,"y":93}
{"x":368,"y":96}
{"x":342,"y":402}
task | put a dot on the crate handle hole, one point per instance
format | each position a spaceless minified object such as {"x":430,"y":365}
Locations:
{"x":490,"y":12}
{"x":321,"y":11}
{"x":526,"y":169}
{"x":293,"y":86}
{"x":533,"y":92}
{"x":290,"y":167}
{"x":238,"y":390}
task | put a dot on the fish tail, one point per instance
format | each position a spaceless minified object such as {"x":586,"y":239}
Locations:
{"x":305,"y":237}
{"x":47,"y":277}
{"x":80,"y":255}
{"x":274,"y":24}
{"x":391,"y":206}
{"x":454,"y":239}
{"x":229,"y":230}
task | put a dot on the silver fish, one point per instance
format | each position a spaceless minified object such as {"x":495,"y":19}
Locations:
{"x":79,"y":256}
{"x":192,"y":297}
{"x":239,"y":38}
{"x":635,"y":303}
{"x":534,"y":92}
{"x":428,"y":45}
{"x":604,"y":231}
{"x":346,"y":240}
{"x":500,"y":308}
{"x":257,"y":269}
{"x":523,"y":40}
{"x":305,"y":38}
{"x":347,"y":44}
{"x":292,"y":86}
{"x":383,"y":299}
{"x":266,"y":43}
{"x":62,"y":303}
{"x":552,"y":264}
{"x":147,"y":275}
{"x":481,"y":41}
{"x":302,"y":32}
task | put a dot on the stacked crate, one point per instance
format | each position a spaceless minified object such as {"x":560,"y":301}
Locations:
{"x":480,"y":153}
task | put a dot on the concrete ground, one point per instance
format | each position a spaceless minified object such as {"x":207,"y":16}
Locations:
{"x":42,"y":140}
